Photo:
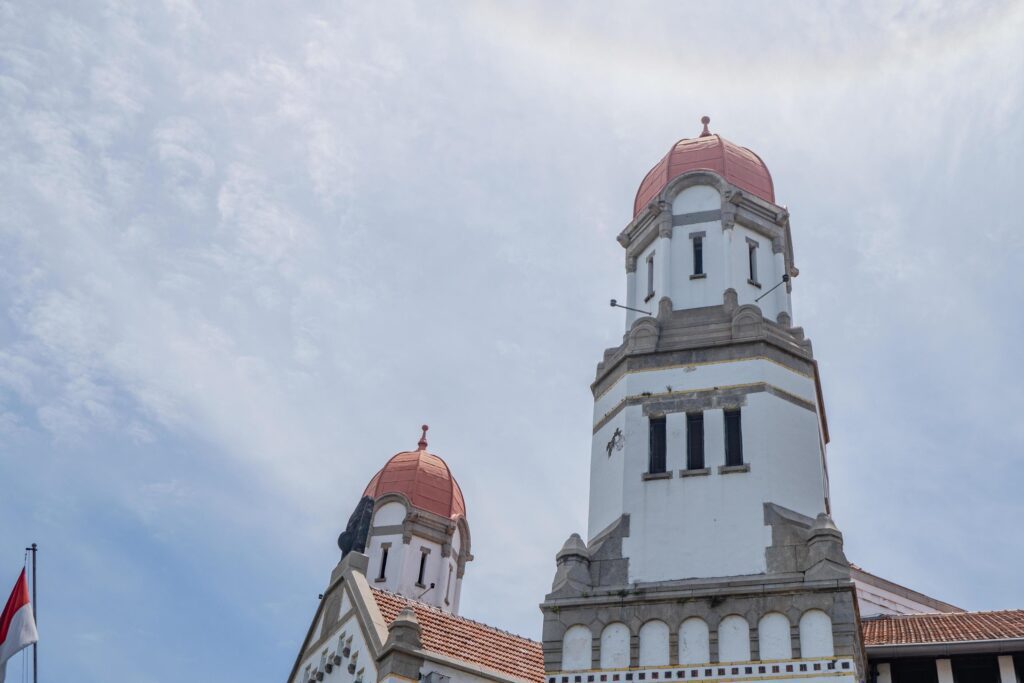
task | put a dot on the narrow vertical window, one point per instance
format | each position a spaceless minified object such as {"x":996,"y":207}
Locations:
{"x":733,"y":439}
{"x":656,"y":462}
{"x":650,"y":277}
{"x":695,"y":441}
{"x":698,"y":253}
{"x":752,"y":261}
{"x":383,"y":561}
{"x":448,"y":586}
{"x":423,"y":567}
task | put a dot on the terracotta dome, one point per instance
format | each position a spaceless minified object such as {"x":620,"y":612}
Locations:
{"x":423,"y":478}
{"x":707,"y":152}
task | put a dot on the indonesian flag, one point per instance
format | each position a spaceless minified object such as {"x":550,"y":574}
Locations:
{"x":17,"y":627}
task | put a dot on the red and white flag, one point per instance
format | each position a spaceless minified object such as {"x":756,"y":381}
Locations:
{"x":17,"y":626}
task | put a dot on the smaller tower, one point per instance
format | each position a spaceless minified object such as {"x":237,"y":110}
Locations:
{"x":411,"y":523}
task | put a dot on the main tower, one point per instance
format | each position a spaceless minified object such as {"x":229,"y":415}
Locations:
{"x":711,"y":552}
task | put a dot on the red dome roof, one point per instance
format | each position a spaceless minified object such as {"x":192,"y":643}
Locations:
{"x":421,"y":477}
{"x":708,"y":152}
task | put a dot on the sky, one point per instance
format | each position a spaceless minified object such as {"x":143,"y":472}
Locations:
{"x":246,"y":252}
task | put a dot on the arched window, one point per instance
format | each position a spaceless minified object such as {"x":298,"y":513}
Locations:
{"x":815,"y":634}
{"x":693,"y":642}
{"x":733,"y":639}
{"x":577,"y":648}
{"x":615,"y":646}
{"x":654,"y":644}
{"x":773,"y":637}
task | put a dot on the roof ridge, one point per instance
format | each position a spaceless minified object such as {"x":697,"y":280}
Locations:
{"x":459,"y":617}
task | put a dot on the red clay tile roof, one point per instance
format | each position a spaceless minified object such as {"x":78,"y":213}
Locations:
{"x":424,"y":479}
{"x":912,"y":629}
{"x":738,"y":165}
{"x":468,"y":640}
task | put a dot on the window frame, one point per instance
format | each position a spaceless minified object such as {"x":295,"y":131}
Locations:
{"x":384,"y":548}
{"x":420,"y":582}
{"x":752,"y":247}
{"x":697,"y":254}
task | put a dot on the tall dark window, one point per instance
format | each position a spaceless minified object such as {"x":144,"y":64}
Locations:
{"x":695,"y":441}
{"x":423,"y":567}
{"x":976,"y":668}
{"x":383,"y":562}
{"x":656,"y":462}
{"x":733,"y":438}
{"x":914,"y":671}
{"x":752,"y":260}
{"x":650,"y":277}
{"x":698,"y":255}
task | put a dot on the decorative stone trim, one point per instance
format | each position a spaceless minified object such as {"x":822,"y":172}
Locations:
{"x":695,"y":217}
{"x":699,"y":233}
{"x":754,"y":282}
{"x":698,"y":276}
{"x":724,"y":398}
{"x":704,"y":334}
{"x":702,"y":472}
{"x":648,"y":476}
{"x":785,"y":670}
{"x":729,"y":469}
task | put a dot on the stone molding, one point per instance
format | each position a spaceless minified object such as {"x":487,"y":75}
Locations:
{"x":696,"y":217}
{"x":700,"y":335}
{"x":763,"y":217}
{"x":700,"y":400}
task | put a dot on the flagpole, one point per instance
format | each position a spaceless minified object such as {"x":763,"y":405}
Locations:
{"x":35,"y":615}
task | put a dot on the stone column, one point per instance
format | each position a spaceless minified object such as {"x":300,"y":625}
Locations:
{"x":781,"y":294}
{"x":944,"y":668}
{"x":727,"y":235}
{"x":631,"y":299}
{"x":1007,"y":674}
{"x":400,"y":659}
{"x":664,"y":250}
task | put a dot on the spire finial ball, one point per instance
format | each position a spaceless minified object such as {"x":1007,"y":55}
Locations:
{"x":423,"y":438}
{"x":705,"y":120}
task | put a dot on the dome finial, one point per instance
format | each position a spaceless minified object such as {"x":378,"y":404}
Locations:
{"x":423,"y":438}
{"x":705,"y":120}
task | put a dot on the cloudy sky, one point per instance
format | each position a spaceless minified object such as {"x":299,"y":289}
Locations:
{"x":245,"y":253}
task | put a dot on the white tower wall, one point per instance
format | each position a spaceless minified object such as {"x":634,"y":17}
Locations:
{"x":407,"y":534}
{"x":725,"y":248}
